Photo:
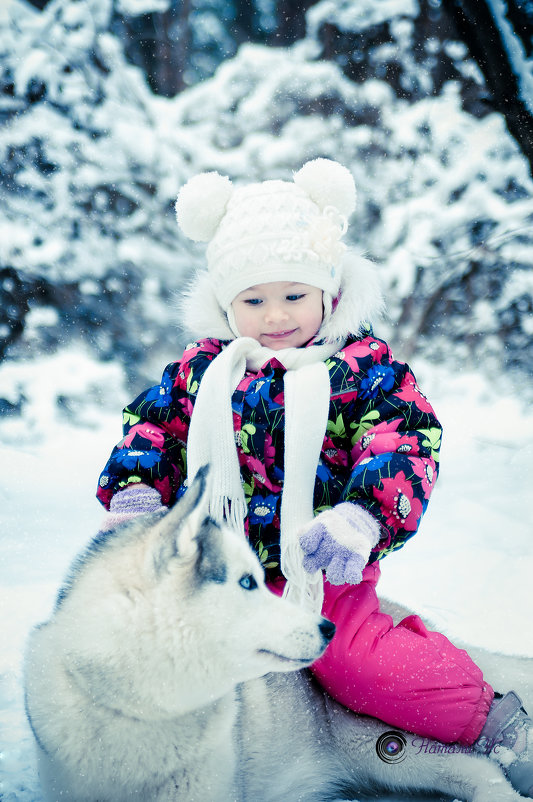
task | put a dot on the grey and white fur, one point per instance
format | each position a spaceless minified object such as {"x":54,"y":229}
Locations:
{"x":168,"y":671}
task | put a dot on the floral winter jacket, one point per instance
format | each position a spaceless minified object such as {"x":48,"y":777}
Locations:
{"x":380,"y":448}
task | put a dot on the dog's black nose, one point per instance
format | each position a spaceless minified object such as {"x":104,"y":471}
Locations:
{"x":327,"y":628}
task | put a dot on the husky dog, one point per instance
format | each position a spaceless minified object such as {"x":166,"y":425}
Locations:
{"x":168,"y":671}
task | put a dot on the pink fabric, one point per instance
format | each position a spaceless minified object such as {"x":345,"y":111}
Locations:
{"x":405,"y":675}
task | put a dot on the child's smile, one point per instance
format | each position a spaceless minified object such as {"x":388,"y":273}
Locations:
{"x":280,"y":314}
{"x":281,"y":335}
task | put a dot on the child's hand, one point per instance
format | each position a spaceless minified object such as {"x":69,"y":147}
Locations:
{"x":134,"y":500}
{"x":339,"y":540}
{"x":322,"y":551}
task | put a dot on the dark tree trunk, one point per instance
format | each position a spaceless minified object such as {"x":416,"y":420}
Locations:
{"x":477,"y":27}
{"x":520,"y":15}
{"x":291,"y":21}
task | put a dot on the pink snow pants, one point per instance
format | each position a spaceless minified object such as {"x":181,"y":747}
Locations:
{"x":405,"y":675}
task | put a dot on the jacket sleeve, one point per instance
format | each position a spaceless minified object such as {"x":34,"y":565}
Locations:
{"x":152,"y":449}
{"x":395,"y":440}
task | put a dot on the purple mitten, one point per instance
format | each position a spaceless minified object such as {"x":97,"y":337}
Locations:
{"x":339,"y":540}
{"x":128,"y":503}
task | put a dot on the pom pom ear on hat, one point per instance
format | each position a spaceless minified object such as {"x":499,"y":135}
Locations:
{"x":201,"y":205}
{"x":271,"y":230}
{"x":202,"y":201}
{"x":328,"y":183}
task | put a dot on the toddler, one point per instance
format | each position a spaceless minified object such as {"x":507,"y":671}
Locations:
{"x":322,"y":448}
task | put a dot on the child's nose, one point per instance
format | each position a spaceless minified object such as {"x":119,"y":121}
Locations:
{"x":275,"y":312}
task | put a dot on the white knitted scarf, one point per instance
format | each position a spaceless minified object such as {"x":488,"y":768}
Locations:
{"x":212,"y":440}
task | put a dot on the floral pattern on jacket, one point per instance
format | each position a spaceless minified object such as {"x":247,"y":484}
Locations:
{"x":380,"y":449}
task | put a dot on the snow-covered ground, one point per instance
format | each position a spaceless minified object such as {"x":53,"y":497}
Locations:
{"x":469,"y":570}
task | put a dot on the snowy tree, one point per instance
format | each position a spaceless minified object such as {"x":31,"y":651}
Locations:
{"x":88,"y":179}
{"x":92,"y":159}
{"x":499,"y":34}
{"x":178,"y":43}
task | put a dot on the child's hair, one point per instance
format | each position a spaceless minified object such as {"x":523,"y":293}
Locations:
{"x":276,"y":231}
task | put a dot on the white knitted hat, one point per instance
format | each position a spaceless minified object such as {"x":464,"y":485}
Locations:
{"x":270,"y":231}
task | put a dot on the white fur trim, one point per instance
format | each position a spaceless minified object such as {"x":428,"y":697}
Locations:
{"x":360,"y":299}
{"x":328,"y":183}
{"x":360,"y":302}
{"x":200,"y":313}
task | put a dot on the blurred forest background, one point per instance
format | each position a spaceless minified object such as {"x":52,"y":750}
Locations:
{"x":108,"y":106}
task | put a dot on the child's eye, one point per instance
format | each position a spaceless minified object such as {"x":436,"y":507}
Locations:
{"x":253,"y":301}
{"x":295,"y":297}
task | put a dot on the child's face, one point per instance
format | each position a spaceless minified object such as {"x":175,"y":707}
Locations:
{"x":280,"y":314}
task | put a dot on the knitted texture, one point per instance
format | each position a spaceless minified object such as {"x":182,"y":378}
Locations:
{"x":211,"y":440}
{"x":271,"y":231}
{"x":339,"y":540}
{"x":274,"y":232}
{"x":128,"y":503}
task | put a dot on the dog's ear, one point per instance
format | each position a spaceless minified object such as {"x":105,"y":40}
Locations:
{"x":176,"y":533}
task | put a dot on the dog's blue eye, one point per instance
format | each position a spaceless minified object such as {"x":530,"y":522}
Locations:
{"x":248,"y":582}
